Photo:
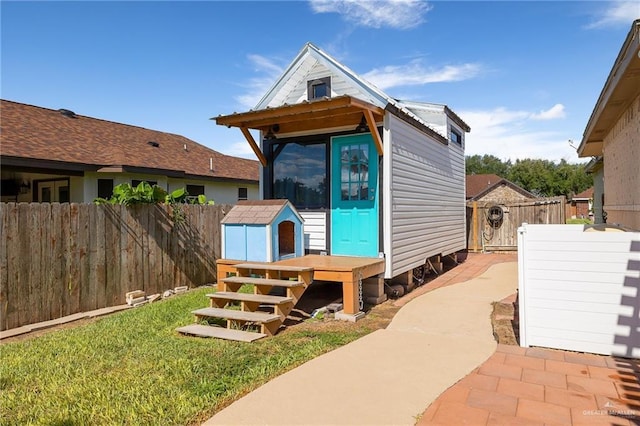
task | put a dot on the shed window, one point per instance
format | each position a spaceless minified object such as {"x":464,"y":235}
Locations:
{"x":319,"y":88}
{"x":456,"y":136}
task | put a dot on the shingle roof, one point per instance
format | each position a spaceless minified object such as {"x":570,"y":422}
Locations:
{"x":585,"y":195}
{"x":478,"y":185}
{"x":255,"y":212}
{"x":36,"y":133}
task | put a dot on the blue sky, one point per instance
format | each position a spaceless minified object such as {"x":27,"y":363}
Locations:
{"x":524,"y":75}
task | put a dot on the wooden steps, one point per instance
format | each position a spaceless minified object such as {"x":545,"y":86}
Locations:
{"x":252,"y":315}
{"x":248,"y":297}
{"x":233,"y":315}
{"x":220,"y":333}
{"x":263,"y":281}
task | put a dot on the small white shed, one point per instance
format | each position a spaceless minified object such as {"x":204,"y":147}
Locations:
{"x":579,"y":288}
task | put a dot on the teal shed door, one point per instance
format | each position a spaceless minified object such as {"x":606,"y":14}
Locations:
{"x":354,"y":196}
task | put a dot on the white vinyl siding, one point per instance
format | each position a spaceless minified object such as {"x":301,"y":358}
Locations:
{"x":294,"y":91}
{"x":424,"y":197}
{"x":578,"y":290}
{"x":315,"y":230}
{"x":339,"y":85}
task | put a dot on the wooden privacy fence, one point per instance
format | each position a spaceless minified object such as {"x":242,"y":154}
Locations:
{"x":496,"y":229}
{"x":61,"y":259}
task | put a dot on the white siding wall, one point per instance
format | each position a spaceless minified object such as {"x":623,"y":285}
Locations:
{"x":315,"y":230}
{"x":579,"y":290}
{"x":424,"y":200}
{"x":295,"y":90}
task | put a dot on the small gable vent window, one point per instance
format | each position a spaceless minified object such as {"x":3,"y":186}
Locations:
{"x":319,"y":88}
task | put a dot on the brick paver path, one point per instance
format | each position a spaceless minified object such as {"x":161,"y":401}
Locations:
{"x":535,"y":386}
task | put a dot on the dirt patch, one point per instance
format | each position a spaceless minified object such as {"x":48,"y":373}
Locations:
{"x":377,"y":317}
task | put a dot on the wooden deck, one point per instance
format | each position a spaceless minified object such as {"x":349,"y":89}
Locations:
{"x":346,"y":270}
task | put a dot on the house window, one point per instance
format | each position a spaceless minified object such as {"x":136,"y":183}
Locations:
{"x":242,"y":194}
{"x":320,"y":88}
{"x":136,"y":182}
{"x":456,"y":136}
{"x":195,"y":190}
{"x":105,"y":188}
{"x":299,"y":174}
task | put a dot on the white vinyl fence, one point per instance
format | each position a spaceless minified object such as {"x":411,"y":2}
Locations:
{"x":579,"y":289}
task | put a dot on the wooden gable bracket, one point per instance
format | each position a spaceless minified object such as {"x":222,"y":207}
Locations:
{"x":340,"y":112}
{"x":254,"y":146}
{"x":371,"y":122}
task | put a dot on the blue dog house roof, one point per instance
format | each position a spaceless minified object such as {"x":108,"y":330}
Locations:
{"x":258,"y":212}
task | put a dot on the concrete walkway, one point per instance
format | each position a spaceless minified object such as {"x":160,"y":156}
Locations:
{"x":390,"y":376}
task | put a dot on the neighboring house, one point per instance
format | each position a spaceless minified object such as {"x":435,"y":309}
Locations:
{"x":372,"y":176}
{"x":581,"y":205}
{"x":490,"y":188}
{"x":58,"y":156}
{"x":612,"y":136}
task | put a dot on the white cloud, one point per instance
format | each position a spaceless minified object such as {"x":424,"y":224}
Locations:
{"x":258,"y":86}
{"x":511,"y":135}
{"x":617,"y":13}
{"x":555,"y":112}
{"x":239,"y":149}
{"x":415,"y":73}
{"x":400,"y":14}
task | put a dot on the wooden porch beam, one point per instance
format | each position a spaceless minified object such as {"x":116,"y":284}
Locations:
{"x":371,"y":122}
{"x":254,"y":146}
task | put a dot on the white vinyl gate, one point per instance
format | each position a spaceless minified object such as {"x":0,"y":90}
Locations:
{"x":579,"y":289}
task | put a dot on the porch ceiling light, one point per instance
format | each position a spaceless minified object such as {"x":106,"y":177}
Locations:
{"x":269,"y":136}
{"x":362,"y":127}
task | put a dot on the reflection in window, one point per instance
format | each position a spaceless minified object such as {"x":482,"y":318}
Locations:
{"x":300,"y":174}
{"x":354,"y":172}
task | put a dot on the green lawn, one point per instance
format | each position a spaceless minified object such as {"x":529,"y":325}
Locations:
{"x":579,"y":221}
{"x":133,"y":368}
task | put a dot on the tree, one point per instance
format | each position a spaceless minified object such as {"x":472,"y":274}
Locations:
{"x":486,"y":164}
{"x":543,"y":178}
{"x":536,"y":176}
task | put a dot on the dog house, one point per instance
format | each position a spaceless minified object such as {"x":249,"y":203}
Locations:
{"x":262,"y":231}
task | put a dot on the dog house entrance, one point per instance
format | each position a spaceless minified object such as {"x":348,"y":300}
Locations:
{"x":286,"y":239}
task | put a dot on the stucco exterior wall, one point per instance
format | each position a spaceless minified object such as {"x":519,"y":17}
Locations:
{"x":621,"y":149}
{"x":501,"y":195}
